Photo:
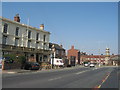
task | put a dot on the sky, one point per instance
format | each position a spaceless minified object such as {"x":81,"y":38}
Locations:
{"x":89,"y":26}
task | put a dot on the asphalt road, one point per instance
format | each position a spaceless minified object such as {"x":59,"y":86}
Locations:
{"x":78,"y":77}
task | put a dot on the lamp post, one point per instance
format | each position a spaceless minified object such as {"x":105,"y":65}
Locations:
{"x":53,"y":56}
{"x":99,"y":58}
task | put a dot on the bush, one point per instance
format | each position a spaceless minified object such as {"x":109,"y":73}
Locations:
{"x":9,"y":58}
{"x":21,"y":59}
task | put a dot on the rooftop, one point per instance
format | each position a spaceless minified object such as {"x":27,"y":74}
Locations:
{"x":24,"y":25}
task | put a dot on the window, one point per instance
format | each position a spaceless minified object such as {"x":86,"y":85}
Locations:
{"x":29,"y":42}
{"x":4,"y":40}
{"x":40,"y":59}
{"x":17,"y":31}
{"x":37,"y":36}
{"x":44,"y":37}
{"x":5,"y":28}
{"x":37,"y":44}
{"x":44,"y":47}
{"x":62,"y":52}
{"x":29,"y":34}
{"x":57,"y":52}
{"x":16,"y":41}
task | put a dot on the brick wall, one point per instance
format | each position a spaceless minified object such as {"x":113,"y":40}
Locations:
{"x":7,"y":66}
{"x":72,"y":52}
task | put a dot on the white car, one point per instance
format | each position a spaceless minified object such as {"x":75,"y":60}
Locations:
{"x":86,"y":64}
{"x":92,"y":65}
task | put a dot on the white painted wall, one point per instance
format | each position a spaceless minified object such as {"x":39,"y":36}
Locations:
{"x":0,"y":37}
{"x":23,"y":35}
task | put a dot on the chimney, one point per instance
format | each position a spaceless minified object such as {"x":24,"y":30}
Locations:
{"x":42,"y":27}
{"x":61,"y":46}
{"x":72,"y":47}
{"x":17,"y":18}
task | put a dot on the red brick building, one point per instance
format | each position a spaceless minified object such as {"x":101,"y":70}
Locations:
{"x":93,"y":59}
{"x":73,"y":56}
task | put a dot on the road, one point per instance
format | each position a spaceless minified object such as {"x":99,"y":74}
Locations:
{"x":77,"y":77}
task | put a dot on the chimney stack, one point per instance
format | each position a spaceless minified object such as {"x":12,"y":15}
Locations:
{"x":72,"y":47}
{"x":42,"y":26}
{"x":61,"y":45}
{"x":17,"y":18}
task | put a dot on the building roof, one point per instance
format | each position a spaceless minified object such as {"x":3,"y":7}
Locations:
{"x":115,"y":58}
{"x":94,"y":56}
{"x":99,"y":56}
{"x":56,"y":46}
{"x":24,"y":25}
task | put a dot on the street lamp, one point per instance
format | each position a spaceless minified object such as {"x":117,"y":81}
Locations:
{"x":99,"y":58}
{"x":53,"y":56}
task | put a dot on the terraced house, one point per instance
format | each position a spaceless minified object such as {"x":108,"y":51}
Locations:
{"x":21,"y":39}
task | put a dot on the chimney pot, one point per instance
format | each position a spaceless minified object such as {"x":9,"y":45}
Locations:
{"x":61,"y":46}
{"x":72,"y":47}
{"x":17,"y":18}
{"x":42,"y":26}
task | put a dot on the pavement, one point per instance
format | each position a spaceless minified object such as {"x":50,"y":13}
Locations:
{"x":74,"y":77}
{"x":20,"y":71}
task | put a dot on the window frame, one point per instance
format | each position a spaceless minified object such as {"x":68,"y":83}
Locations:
{"x":5,"y":29}
{"x":17,"y":31}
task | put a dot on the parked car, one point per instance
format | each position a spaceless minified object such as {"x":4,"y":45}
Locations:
{"x":69,"y":65}
{"x":32,"y":66}
{"x":8,"y":60}
{"x":92,"y":65}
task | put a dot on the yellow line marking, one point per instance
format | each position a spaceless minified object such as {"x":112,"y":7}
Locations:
{"x":99,"y":86}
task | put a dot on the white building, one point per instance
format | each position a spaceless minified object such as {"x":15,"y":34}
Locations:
{"x":19,"y":38}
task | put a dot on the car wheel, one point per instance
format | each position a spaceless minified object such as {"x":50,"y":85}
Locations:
{"x":30,"y":68}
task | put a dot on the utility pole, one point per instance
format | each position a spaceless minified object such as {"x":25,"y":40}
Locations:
{"x":53,"y":55}
{"x":99,"y":58}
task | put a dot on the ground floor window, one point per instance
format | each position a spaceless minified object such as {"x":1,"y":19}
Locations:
{"x":16,"y":41}
{"x":4,"y":40}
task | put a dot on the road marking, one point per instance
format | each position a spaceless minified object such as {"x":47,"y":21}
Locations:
{"x":94,"y":68}
{"x":11,"y":72}
{"x":54,"y":78}
{"x":105,"y":78}
{"x":99,"y":86}
{"x":81,"y":72}
{"x":86,"y":71}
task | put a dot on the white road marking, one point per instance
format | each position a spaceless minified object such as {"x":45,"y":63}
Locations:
{"x":81,"y":72}
{"x":94,"y":68}
{"x":86,"y":71}
{"x":11,"y":72}
{"x":54,"y":78}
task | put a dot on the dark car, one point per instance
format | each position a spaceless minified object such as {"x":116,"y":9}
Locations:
{"x":8,"y":60}
{"x":32,"y":66}
{"x":69,"y":65}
